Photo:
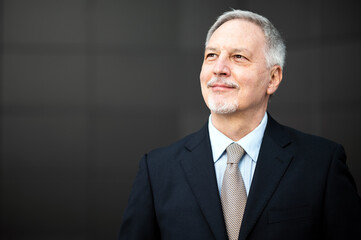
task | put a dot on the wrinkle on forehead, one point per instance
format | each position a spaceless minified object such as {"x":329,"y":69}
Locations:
{"x":239,"y":35}
{"x":243,"y":29}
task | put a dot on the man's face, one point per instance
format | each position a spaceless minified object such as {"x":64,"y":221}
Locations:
{"x":234,"y":75}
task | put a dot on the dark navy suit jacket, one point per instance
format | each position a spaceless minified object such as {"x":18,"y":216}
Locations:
{"x":301,"y":189}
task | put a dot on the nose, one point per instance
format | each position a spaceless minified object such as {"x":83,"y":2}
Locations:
{"x":221,"y":67}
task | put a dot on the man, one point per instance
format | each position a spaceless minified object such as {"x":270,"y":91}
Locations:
{"x":243,"y":175}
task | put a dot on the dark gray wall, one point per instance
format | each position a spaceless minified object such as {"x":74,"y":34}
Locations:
{"x":89,"y":86}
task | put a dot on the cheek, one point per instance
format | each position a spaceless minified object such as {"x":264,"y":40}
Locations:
{"x":203,"y":82}
{"x":203,"y":75}
{"x":256,"y":80}
{"x":204,"y":79}
{"x":244,"y":79}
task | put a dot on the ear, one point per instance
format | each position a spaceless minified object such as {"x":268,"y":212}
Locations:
{"x":275,"y":79}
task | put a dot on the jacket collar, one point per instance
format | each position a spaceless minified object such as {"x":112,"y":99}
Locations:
{"x":198,"y":166}
{"x":272,"y":164}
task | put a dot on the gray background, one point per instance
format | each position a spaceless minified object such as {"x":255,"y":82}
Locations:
{"x":89,"y":86}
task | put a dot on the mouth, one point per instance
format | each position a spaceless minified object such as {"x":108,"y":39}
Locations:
{"x":222,"y":86}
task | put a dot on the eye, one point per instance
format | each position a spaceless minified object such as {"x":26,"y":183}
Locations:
{"x":238,"y":56}
{"x":211,"y":55}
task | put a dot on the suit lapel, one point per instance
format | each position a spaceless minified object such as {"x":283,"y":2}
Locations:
{"x":198,"y":166}
{"x":272,"y":164}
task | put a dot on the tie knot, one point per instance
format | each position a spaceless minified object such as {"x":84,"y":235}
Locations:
{"x":234,"y":153}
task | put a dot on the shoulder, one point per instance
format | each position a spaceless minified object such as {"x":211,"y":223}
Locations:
{"x":302,"y":138}
{"x":304,"y":143}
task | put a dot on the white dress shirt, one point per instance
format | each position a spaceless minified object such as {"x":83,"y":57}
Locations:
{"x":251,"y":143}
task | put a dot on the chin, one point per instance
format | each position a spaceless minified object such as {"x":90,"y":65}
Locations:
{"x":222,"y":107}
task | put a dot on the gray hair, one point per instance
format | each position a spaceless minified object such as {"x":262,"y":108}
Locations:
{"x":275,"y":52}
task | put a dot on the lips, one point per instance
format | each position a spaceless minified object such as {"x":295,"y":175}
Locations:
{"x":221,"y":87}
{"x":221,"y":84}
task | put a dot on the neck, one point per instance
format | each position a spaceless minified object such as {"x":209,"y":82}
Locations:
{"x":238,"y":124}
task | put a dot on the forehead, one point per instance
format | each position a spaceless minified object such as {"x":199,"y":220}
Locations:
{"x":238,"y":33}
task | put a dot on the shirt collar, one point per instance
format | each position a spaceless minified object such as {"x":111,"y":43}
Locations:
{"x":251,"y":143}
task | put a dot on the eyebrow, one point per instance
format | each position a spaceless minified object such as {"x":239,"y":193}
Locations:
{"x":233,"y":50}
{"x":211,"y":49}
{"x":240,"y":50}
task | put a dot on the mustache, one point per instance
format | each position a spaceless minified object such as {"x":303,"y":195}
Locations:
{"x":223,"y":81}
